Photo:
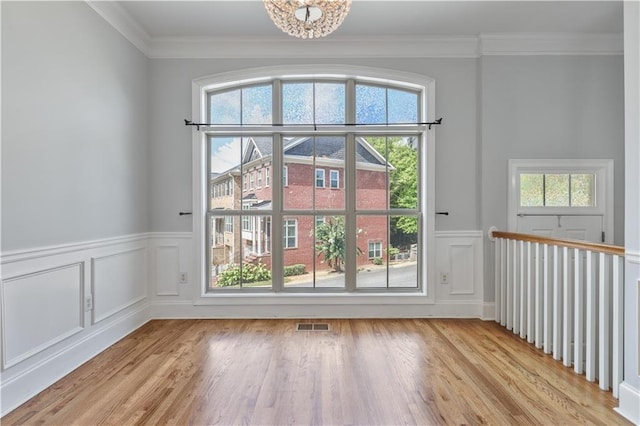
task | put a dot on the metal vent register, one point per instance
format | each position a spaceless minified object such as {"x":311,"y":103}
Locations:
{"x":312,"y":327}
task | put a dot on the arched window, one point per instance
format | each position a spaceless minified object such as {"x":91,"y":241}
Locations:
{"x":329,"y":177}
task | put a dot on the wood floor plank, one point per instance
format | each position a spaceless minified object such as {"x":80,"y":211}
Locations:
{"x":359,"y":372}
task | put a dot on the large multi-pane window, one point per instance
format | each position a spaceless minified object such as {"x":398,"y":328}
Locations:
{"x":340,"y":205}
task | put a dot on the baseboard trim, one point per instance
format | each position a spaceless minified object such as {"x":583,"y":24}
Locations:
{"x":187,"y":310}
{"x":629,"y":399}
{"x":19,"y":389}
{"x":489,"y":311}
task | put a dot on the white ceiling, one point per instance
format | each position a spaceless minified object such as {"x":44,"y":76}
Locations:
{"x":160,"y":20}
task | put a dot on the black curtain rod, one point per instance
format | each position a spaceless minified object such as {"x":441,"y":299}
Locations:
{"x":315,"y":126}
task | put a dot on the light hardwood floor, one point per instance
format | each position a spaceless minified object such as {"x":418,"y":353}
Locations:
{"x":361,"y":371}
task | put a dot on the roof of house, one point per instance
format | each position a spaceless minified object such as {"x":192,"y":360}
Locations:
{"x":332,"y":147}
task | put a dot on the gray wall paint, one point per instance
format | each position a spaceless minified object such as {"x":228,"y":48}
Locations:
{"x":548,"y":107}
{"x":170,"y":91}
{"x":75,"y":128}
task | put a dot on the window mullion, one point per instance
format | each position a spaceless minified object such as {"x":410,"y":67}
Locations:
{"x":350,"y":219}
{"x":277,"y":224}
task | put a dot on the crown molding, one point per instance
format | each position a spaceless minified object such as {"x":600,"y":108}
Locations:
{"x":551,"y":44}
{"x":337,"y":47}
{"x":122,"y":21}
{"x":470,"y":46}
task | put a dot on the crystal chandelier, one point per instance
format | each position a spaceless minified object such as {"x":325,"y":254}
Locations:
{"x":307,"y":18}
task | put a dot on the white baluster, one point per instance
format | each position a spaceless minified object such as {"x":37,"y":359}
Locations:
{"x":557,"y":305}
{"x":567,"y":311}
{"x":591,"y":313}
{"x":503,"y":281}
{"x":516,"y":290}
{"x":497,"y":268}
{"x":618,"y":320}
{"x":539,"y":295}
{"x":546,"y":284}
{"x":530,"y":299}
{"x":510,"y":283}
{"x":604,"y":323}
{"x":523,"y":291}
{"x":578,"y":318}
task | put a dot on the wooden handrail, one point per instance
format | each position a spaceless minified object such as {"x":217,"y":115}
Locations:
{"x":578,"y":244}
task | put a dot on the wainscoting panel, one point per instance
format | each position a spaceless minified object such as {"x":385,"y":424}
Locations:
{"x":461,"y":258}
{"x":118,"y":281}
{"x":167,"y":270}
{"x":49,"y":296}
{"x":459,"y":266}
{"x":39,"y":310}
{"x":171,"y":255}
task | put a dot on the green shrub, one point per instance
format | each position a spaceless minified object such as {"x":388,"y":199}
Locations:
{"x":248,"y":273}
{"x":392,"y":251}
{"x":376,"y":261}
{"x":297,"y":269}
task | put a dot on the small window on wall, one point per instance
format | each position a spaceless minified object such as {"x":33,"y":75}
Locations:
{"x":557,"y":189}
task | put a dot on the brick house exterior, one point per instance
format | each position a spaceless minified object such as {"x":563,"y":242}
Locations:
{"x":313,"y":178}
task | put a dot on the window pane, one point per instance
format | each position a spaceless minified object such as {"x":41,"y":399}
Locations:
{"x":556,"y":190}
{"x":330,"y":248}
{"x":402,"y":155}
{"x":224,"y":108}
{"x":256,"y":105}
{"x":299,"y":177}
{"x":240,"y":259}
{"x":582,"y":190}
{"x":403,"y":253}
{"x":224,"y":172}
{"x":372,"y":246}
{"x":299,"y":260}
{"x":329,"y":155}
{"x":371,"y":173}
{"x":297,"y":103}
{"x":330,"y":103}
{"x":371,"y":104}
{"x":531,"y":190}
{"x":403,"y":106}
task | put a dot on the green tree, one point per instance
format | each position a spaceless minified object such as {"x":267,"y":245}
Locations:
{"x":330,"y":242}
{"x":403,"y":184}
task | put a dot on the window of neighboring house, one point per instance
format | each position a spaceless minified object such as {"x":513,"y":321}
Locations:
{"x":319,"y":178}
{"x":334,"y":179}
{"x":375,"y":249}
{"x":290,"y":233}
{"x":228,"y":223}
{"x":383,"y":187}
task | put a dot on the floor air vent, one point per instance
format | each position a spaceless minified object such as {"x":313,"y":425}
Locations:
{"x":313,"y":327}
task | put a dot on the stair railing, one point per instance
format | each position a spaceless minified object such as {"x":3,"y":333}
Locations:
{"x":566,"y":298}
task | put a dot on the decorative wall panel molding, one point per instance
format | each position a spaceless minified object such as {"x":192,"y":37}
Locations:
{"x":40,"y":309}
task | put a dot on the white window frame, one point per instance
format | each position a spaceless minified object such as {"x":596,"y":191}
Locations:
{"x":267,"y":177}
{"x":427,"y":271}
{"x":285,"y":236}
{"x":324,"y":175}
{"x":285,"y":176}
{"x":379,"y":248}
{"x":259,"y":178}
{"x":337,"y":179}
{"x":601,"y":168}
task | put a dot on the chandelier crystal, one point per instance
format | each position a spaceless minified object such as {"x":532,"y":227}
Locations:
{"x":307,"y":18}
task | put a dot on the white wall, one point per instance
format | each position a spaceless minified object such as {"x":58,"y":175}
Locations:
{"x":74,"y":192}
{"x":74,"y":134}
{"x":536,"y":107}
